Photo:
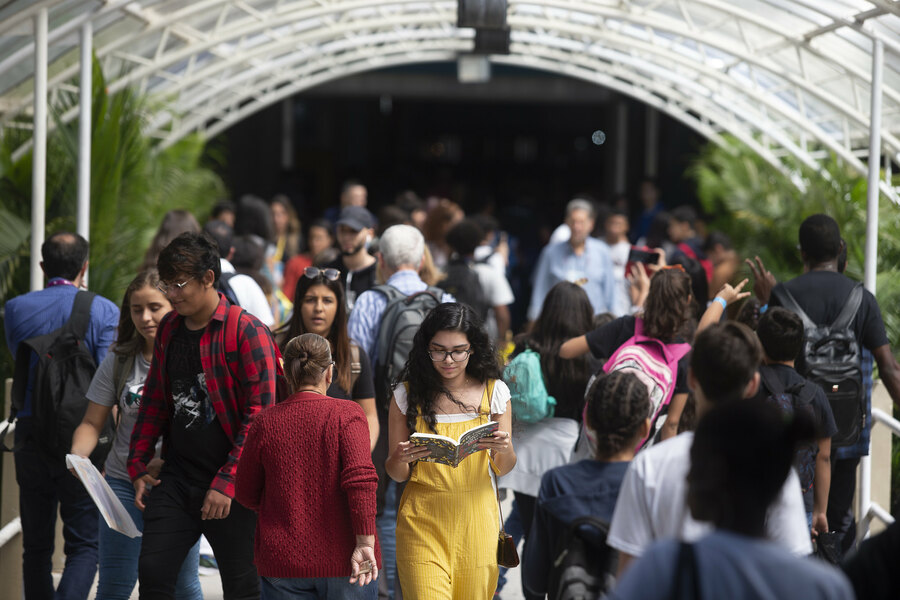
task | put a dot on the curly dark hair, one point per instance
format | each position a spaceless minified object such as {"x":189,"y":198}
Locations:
{"x":617,"y":405}
{"x":425,"y":383}
{"x":667,"y":310}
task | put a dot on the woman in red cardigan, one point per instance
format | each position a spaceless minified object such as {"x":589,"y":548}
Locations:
{"x":306,"y":470}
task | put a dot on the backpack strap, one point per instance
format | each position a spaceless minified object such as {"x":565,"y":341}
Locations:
{"x":355,"y":366}
{"x":851,"y":306}
{"x":232,"y":339}
{"x":81,"y":313}
{"x":770,"y":380}
{"x":122,"y":368}
{"x":788,"y":301}
{"x":672,"y":352}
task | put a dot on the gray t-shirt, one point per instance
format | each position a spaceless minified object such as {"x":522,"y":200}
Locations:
{"x":103,"y":390}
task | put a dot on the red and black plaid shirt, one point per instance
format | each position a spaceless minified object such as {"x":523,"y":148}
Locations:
{"x":236,"y":402}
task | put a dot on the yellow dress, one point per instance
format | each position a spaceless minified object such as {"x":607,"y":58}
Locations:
{"x":447,"y":523}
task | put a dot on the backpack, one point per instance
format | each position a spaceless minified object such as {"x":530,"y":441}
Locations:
{"x":399,"y":324}
{"x":655,"y":364}
{"x":226,"y":288}
{"x":583,"y":565}
{"x":529,"y":397}
{"x":61,"y":376}
{"x":462,"y":283}
{"x":831,"y":358}
{"x":233,"y":356}
{"x":796,"y":399}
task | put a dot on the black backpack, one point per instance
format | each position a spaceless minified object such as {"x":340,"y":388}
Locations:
{"x":463,"y":284}
{"x":584,"y":567}
{"x":794,"y":400}
{"x":62,"y":376}
{"x":226,"y":289}
{"x":399,"y":323}
{"x":831,"y":357}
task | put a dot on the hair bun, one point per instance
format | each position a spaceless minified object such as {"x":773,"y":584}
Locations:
{"x":303,"y":355}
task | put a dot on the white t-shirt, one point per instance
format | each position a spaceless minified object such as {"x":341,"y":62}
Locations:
{"x":249,"y":295}
{"x":618,"y":254}
{"x":499,"y":399}
{"x":735,"y":567}
{"x":651,"y":504}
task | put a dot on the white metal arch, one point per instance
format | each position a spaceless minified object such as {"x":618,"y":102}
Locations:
{"x":787,"y":76}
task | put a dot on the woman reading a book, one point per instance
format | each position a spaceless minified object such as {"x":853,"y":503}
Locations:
{"x":448,"y":518}
{"x":306,"y":471}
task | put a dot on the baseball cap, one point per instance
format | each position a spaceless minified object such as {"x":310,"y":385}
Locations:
{"x":356,"y":218}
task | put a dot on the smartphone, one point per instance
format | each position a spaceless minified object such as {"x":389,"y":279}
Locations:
{"x":641,"y":255}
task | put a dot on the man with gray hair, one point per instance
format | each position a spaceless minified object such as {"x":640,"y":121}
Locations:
{"x":401,"y":251}
{"x":582,"y":260}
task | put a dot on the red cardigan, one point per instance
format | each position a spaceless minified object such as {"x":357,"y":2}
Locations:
{"x":307,"y":471}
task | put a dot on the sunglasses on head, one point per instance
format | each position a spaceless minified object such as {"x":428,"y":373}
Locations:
{"x":329,"y":274}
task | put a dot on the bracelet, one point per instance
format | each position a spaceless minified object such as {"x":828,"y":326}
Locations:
{"x":721,"y":301}
{"x":763,"y":309}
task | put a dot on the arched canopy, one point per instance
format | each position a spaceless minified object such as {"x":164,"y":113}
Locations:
{"x":788,"y":77}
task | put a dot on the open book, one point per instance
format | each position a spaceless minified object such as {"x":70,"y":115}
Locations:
{"x":451,"y":452}
{"x":111,"y":508}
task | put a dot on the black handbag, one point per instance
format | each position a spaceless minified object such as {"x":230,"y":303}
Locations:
{"x":507,"y":555}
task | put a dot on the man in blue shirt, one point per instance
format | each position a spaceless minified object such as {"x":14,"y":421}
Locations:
{"x":582,"y":260}
{"x":45,"y":483}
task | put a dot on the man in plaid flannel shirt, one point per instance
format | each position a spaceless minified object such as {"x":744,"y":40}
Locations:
{"x":821,"y":292}
{"x":203,"y":411}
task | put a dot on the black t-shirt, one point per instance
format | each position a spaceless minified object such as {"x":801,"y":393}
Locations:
{"x":822,"y":295}
{"x":360,"y":281}
{"x":821,"y":414}
{"x":364,"y":386}
{"x":604,"y":341}
{"x":198,"y":446}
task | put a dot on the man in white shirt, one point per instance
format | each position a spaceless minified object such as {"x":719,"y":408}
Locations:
{"x":651,"y":503}
{"x":615,"y":234}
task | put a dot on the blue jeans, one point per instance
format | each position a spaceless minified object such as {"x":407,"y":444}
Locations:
{"x":119,"y":555}
{"x":331,"y":588}
{"x":387,"y":536}
{"x":44,"y":485}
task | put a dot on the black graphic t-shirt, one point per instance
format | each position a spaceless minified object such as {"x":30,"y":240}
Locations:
{"x":198,"y":446}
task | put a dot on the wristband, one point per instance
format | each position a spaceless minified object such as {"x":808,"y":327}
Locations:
{"x":763,"y":309}
{"x":721,"y":301}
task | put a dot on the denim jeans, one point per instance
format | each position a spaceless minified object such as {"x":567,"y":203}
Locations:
{"x":172,"y":526}
{"x":387,"y":535}
{"x":330,"y":588}
{"x":44,"y":485}
{"x":119,"y":555}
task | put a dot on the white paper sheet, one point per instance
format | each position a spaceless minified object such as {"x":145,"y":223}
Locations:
{"x":107,"y":502}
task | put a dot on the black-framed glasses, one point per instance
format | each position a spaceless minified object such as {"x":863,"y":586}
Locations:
{"x":166,"y":288}
{"x":455,"y":355}
{"x":329,"y":274}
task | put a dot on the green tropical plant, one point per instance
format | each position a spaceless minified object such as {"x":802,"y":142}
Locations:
{"x":133,"y":185}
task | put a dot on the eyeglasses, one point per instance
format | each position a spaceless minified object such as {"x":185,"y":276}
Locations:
{"x":455,"y":355}
{"x":329,"y":274}
{"x":166,"y":288}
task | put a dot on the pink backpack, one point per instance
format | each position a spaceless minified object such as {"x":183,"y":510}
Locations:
{"x":655,"y":364}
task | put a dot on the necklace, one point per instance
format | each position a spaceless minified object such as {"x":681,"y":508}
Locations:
{"x":312,"y":391}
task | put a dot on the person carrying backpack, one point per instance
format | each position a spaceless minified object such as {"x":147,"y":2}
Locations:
{"x":476,"y":283}
{"x":822,"y":293}
{"x":567,"y":551}
{"x":47,"y":415}
{"x":383,"y":323}
{"x":652,"y":345}
{"x":781,"y":334}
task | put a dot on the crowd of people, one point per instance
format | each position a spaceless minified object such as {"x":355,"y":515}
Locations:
{"x":339,"y":410}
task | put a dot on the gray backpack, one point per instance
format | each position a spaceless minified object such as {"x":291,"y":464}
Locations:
{"x":399,"y":324}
